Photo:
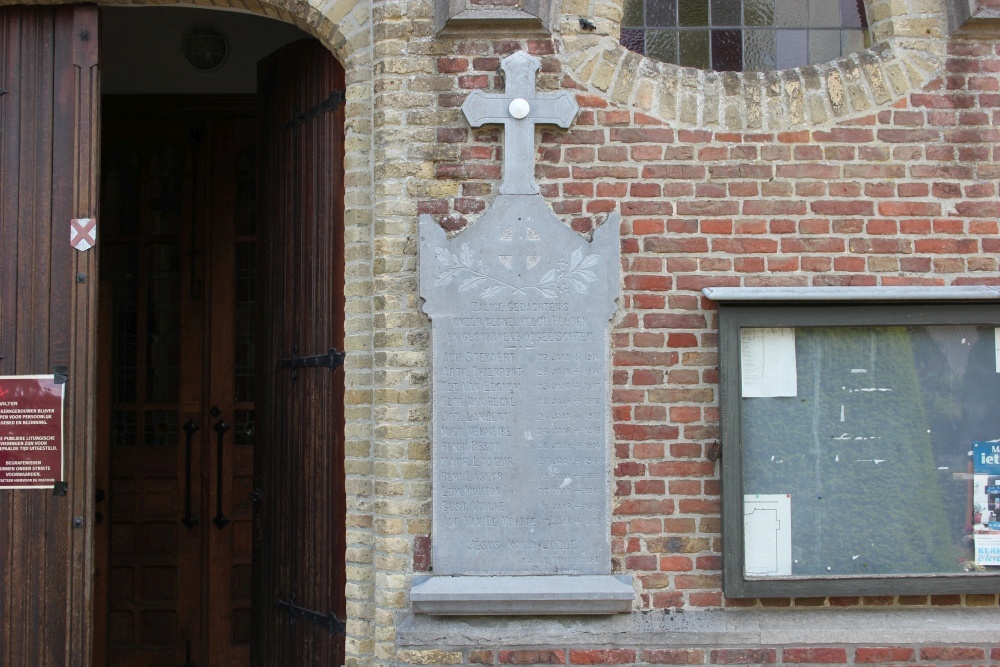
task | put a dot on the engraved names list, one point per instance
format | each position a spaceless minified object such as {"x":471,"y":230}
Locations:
{"x":520,"y":309}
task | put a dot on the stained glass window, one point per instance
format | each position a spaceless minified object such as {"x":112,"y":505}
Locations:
{"x":745,"y":35}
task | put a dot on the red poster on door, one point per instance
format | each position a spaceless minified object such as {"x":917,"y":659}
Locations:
{"x":31,"y":432}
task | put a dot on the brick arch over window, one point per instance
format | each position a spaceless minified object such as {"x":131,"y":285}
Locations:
{"x":908,"y":53}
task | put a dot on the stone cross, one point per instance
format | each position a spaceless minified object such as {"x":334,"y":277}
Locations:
{"x":519,"y":109}
{"x":522,"y":247}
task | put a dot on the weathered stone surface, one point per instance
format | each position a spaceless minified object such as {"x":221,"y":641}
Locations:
{"x":520,"y":308}
{"x":519,"y":109}
{"x":519,"y":596}
{"x":730,"y":627}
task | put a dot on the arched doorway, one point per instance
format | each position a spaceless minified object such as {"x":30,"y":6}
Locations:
{"x":51,"y":603}
{"x":219,"y":473}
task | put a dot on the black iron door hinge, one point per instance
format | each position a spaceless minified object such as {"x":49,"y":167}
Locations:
{"x":334,"y":625}
{"x":331,"y":103}
{"x":333,"y":360}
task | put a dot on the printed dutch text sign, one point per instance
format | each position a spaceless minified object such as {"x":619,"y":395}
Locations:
{"x":31,"y":432}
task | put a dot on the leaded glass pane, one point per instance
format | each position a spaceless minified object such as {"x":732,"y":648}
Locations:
{"x":791,"y":48}
{"x":245,"y":315}
{"x":726,"y":12}
{"x":824,"y":14}
{"x":661,"y":13}
{"x":160,"y":428}
{"x":634,"y":40}
{"x":758,"y":12}
{"x":163,"y":190}
{"x":759,"y":51}
{"x":632,"y":15}
{"x":120,"y":262}
{"x":693,"y":13}
{"x":162,"y":322}
{"x":727,"y":51}
{"x":674,"y":31}
{"x":123,"y":428}
{"x":694,"y":45}
{"x":246,"y":191}
{"x":662,"y":45}
{"x":120,"y":188}
{"x":824,"y":45}
{"x":791,"y":14}
{"x":852,"y":13}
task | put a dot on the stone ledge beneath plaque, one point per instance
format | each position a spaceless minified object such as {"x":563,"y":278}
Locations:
{"x":522,"y":595}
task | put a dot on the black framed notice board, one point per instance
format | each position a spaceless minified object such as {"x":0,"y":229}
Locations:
{"x":861,"y":440}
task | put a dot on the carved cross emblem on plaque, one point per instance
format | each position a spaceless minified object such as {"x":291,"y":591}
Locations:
{"x":521,"y":248}
{"x":519,"y":109}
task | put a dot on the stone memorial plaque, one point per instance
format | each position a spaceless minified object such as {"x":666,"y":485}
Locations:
{"x":520,"y":309}
{"x":31,"y":432}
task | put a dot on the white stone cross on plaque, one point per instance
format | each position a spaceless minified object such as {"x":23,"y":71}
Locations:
{"x":519,"y":109}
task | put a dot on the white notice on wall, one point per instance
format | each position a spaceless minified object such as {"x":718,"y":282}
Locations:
{"x":996,"y":346}
{"x":767,"y":362}
{"x":767,"y":535}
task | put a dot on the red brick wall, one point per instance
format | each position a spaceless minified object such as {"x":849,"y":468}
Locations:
{"x":904,"y":196}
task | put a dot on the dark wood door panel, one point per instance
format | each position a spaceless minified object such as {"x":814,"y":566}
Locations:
{"x":299,"y":541}
{"x":48,"y":147}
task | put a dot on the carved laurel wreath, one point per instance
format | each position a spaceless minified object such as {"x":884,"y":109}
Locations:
{"x":577,"y":275}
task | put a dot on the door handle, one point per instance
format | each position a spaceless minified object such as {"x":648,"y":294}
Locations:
{"x":190,"y":428}
{"x":220,"y":427}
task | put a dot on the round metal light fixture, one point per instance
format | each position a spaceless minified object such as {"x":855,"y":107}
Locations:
{"x":206,"y":49}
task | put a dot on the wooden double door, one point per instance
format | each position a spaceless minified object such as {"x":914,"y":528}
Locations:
{"x":103,"y":569}
{"x":178,"y":291}
{"x":219,"y":485}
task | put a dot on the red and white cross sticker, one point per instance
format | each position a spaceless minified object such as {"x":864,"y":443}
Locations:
{"x":83,"y":233}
